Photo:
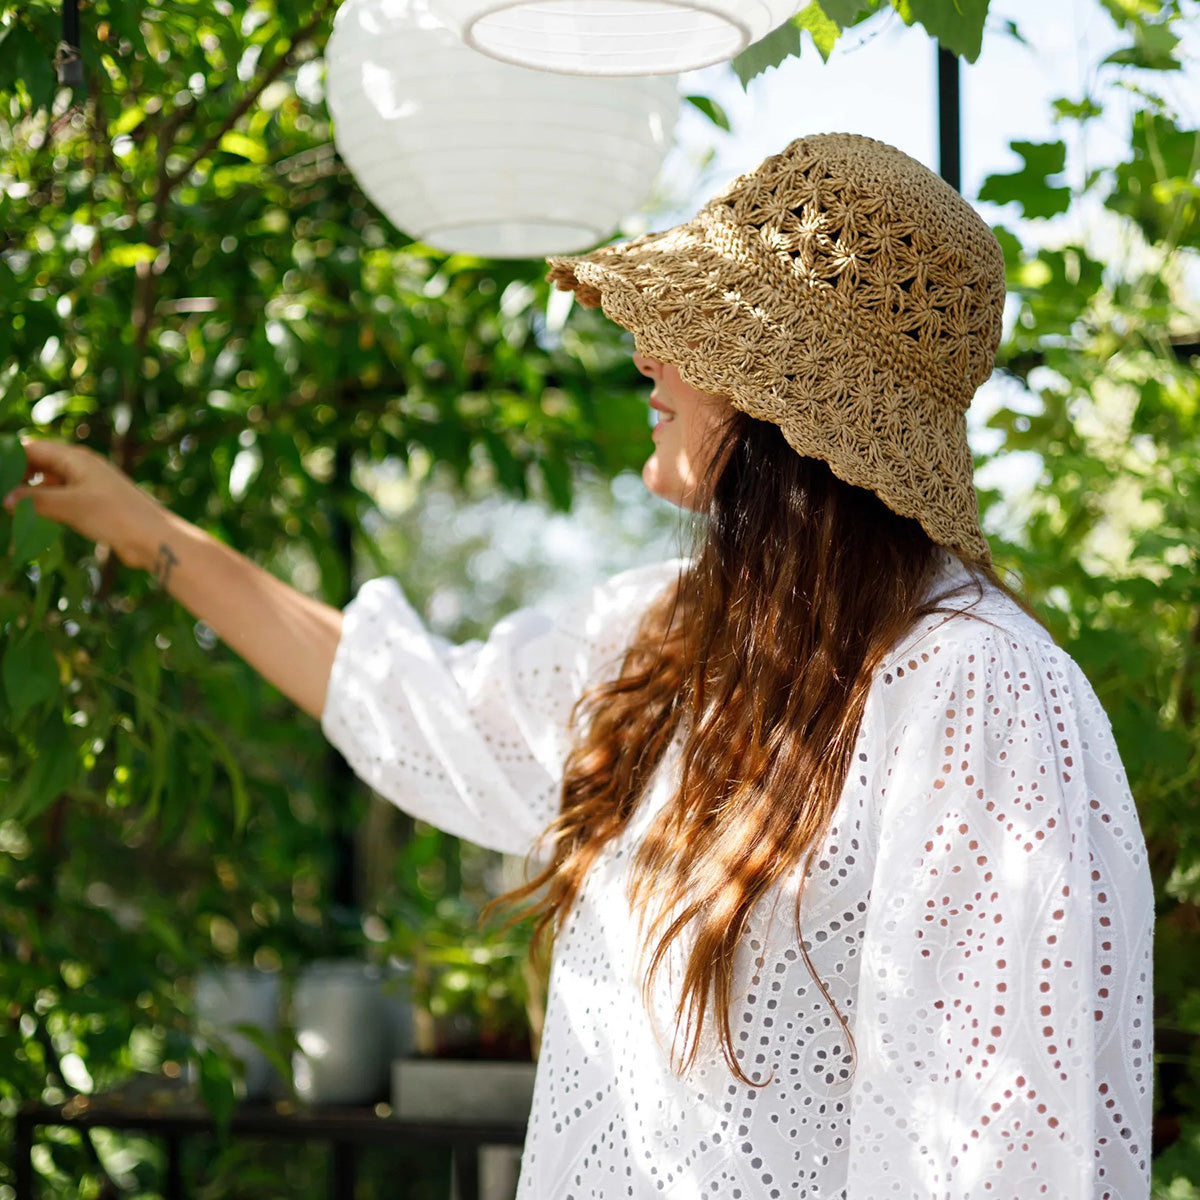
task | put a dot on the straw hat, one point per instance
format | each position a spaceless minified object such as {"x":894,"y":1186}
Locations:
{"x":842,"y":291}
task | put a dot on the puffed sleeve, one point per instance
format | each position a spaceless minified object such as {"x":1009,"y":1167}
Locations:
{"x":1004,"y":1018}
{"x":473,"y":738}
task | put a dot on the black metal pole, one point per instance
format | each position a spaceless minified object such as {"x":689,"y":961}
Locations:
{"x":70,"y":16}
{"x":23,"y":1167}
{"x":173,"y":1189}
{"x":949,"y":118}
{"x":69,"y":60}
{"x":343,"y":1169}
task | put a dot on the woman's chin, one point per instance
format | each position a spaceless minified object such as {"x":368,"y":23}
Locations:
{"x":661,"y":484}
{"x":652,"y":478}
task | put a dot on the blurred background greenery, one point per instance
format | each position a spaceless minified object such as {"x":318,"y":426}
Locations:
{"x":191,"y":282}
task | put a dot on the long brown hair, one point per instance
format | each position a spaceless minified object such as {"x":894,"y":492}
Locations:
{"x":761,"y":659}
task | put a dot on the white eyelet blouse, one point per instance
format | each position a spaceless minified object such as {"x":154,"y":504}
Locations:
{"x":981,"y":912}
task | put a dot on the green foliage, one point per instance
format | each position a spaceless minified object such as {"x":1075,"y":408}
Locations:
{"x":191,"y":283}
{"x":472,"y":988}
{"x":955,"y":24}
{"x":1159,"y":187}
{"x":958,"y":25}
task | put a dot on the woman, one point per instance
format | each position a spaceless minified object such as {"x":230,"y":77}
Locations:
{"x":848,"y":890}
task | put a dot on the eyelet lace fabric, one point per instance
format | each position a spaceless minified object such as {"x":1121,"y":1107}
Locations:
{"x":980,"y":910}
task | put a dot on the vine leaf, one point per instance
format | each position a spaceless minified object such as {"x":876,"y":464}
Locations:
{"x":32,"y":535}
{"x":30,"y":673}
{"x":1029,"y":187}
{"x":956,"y":24}
{"x":55,"y":767}
{"x":767,"y":52}
{"x":824,"y":31}
{"x":711,"y":109}
{"x":12,"y":465}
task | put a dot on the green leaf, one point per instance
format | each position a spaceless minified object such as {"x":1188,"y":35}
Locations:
{"x":268,"y":1045}
{"x":509,"y":471}
{"x":1076,"y":110}
{"x":131,"y":117}
{"x":132,"y":253}
{"x":32,"y":535}
{"x":1125,"y":12}
{"x":12,"y":465}
{"x":955,"y":24}
{"x":557,"y":475}
{"x":23,"y":60}
{"x":844,"y":13}
{"x":1014,"y":31}
{"x":1011,"y":245}
{"x":30,"y":673}
{"x":1159,"y":187}
{"x":1153,"y":49}
{"x":218,"y":1087}
{"x":768,"y":52}
{"x":1029,"y":187}
{"x":824,"y":31}
{"x":244,"y":146}
{"x":711,"y":109}
{"x":233,"y":771}
{"x":55,"y":767}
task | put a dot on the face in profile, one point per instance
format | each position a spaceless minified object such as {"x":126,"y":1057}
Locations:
{"x":687,"y":432}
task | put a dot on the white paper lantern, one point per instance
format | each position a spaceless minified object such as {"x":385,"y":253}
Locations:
{"x":613,"y":37}
{"x":475,"y":156}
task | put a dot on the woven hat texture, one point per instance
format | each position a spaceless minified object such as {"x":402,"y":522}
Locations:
{"x":841,"y":290}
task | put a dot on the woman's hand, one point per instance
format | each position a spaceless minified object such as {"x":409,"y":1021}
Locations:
{"x":289,"y":638}
{"x":78,"y":487}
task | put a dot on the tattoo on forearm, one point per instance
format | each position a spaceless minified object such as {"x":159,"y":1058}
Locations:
{"x":163,"y":563}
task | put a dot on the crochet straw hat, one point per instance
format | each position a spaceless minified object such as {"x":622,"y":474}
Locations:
{"x":842,"y":291}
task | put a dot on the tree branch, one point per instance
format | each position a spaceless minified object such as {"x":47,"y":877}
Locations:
{"x":302,"y":36}
{"x":122,"y":450}
{"x":168,"y":180}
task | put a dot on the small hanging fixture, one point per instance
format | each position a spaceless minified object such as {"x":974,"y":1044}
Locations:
{"x":613,"y":37}
{"x":474,"y":156}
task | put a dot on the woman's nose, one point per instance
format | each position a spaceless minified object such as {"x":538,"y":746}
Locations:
{"x":647,"y":366}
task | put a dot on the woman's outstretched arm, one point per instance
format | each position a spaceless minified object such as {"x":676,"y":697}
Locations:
{"x":287,"y":637}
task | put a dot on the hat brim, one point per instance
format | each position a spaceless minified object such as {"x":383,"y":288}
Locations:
{"x":689,"y":300}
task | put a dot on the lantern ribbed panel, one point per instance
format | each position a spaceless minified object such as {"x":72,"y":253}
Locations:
{"x":613,"y":37}
{"x":480,"y":157}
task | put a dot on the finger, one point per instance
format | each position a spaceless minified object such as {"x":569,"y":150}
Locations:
{"x":47,"y":502}
{"x":18,"y":493}
{"x":51,"y":458}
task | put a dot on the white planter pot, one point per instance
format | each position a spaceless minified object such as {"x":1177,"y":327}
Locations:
{"x":227,"y":997}
{"x":342,"y":1030}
